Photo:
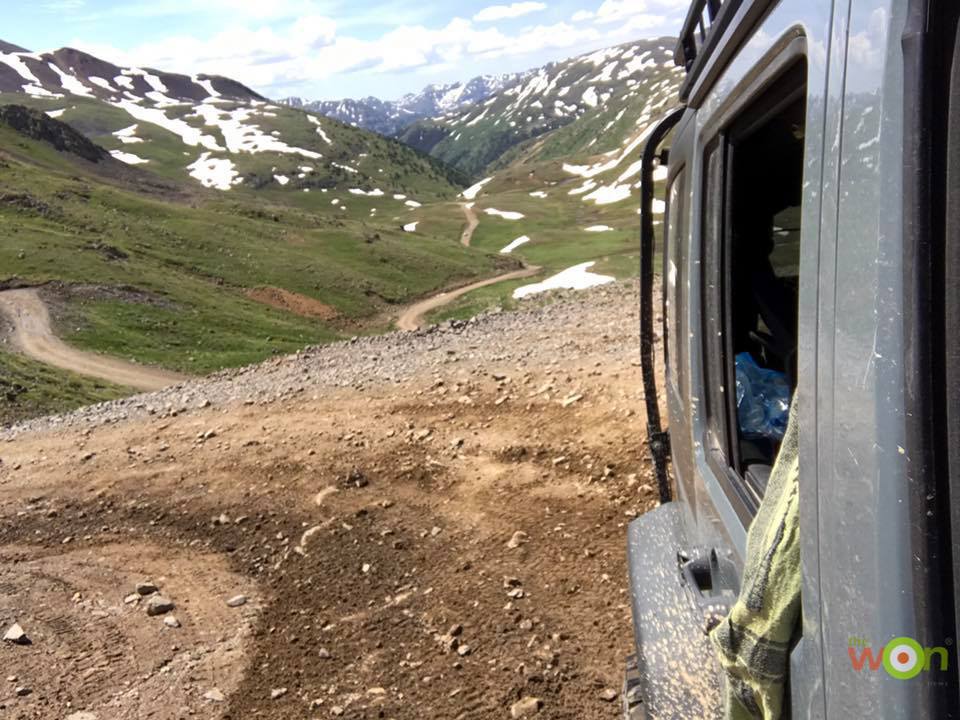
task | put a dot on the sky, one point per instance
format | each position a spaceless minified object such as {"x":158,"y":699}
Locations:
{"x":329,"y":49}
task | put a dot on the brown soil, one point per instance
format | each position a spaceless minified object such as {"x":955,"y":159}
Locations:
{"x":363,"y":523}
{"x":292,"y":302}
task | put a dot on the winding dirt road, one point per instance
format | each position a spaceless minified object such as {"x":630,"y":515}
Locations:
{"x":472,"y":221}
{"x":412,"y":317}
{"x":33,"y":335}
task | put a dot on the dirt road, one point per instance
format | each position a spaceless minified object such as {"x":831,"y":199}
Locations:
{"x":472,"y":222}
{"x":412,"y":317}
{"x":423,"y":526}
{"x":34,"y":336}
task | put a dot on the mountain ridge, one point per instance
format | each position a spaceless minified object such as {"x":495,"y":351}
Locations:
{"x":390,"y":117}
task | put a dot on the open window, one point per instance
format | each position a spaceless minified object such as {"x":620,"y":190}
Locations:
{"x":753,"y":176}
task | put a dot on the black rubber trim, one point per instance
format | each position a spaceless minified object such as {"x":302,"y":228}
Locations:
{"x":923,"y":322}
{"x":658,"y":440}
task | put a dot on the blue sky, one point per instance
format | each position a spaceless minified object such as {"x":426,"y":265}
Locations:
{"x":326,"y":49}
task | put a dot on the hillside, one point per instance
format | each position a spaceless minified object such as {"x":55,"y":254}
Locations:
{"x":167,"y":273}
{"x":603,"y":93}
{"x":215,"y":130}
{"x":390,"y":117}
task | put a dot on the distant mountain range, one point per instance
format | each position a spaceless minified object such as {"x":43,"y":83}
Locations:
{"x":482,"y":123}
{"x":476,"y":137}
{"x":390,"y":117}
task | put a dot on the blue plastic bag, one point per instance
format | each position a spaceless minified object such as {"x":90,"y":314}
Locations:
{"x":763,"y":400}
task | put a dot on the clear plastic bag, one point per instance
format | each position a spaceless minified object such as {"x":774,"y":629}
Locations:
{"x":763,"y":400}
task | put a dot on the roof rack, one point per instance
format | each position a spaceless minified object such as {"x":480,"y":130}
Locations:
{"x":705,"y":24}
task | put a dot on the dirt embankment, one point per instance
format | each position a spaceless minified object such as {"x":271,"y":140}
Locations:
{"x":425,"y":525}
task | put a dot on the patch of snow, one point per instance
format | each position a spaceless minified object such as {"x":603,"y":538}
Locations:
{"x":128,"y":158}
{"x":398,"y":196}
{"x":123,"y":81}
{"x":660,"y":172}
{"x":607,"y":194}
{"x":126,"y":135}
{"x":411,"y":227}
{"x":505,"y":214}
{"x":163,"y":101}
{"x":371,"y":193}
{"x":514,"y":244}
{"x":471,"y":192}
{"x":39,"y":92}
{"x":538,"y":194}
{"x":588,"y":185}
{"x":70,"y":83}
{"x":412,"y":203}
{"x":206,"y":85}
{"x":577,"y":277}
{"x":320,"y":131}
{"x":187,"y":133}
{"x":345,"y":167}
{"x":16,"y":63}
{"x":56,"y":113}
{"x":241,"y":137}
{"x":218,"y":173}
{"x":590,"y":96}
{"x":335,"y":201}
{"x":282,"y":179}
{"x":598,"y":228}
{"x":101,"y":82}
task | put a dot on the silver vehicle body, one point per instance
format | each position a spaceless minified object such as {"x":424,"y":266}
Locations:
{"x":866,"y":513}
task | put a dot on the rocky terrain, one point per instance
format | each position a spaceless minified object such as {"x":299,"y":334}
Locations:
{"x":424,"y":524}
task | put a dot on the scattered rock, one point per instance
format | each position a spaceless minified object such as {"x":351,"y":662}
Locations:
{"x":159,"y":605}
{"x":608,"y":694}
{"x":237,"y":601}
{"x":16,"y":635}
{"x":571,"y":399}
{"x":171,"y":622}
{"x":82,"y":715}
{"x":324,"y":654}
{"x":526,"y":707}
{"x":518,"y":539}
{"x":214,"y":695}
{"x":277,"y":693}
{"x":146,"y":588}
{"x":23,"y":691}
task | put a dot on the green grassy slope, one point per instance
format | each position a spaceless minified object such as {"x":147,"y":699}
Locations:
{"x":186,"y":258}
{"x":353,"y":158}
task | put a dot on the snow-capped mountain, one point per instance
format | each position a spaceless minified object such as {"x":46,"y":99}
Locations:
{"x":72,"y":72}
{"x":584,"y":88}
{"x":210,"y":128}
{"x":389,"y":117}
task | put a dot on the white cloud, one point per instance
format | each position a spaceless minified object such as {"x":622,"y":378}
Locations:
{"x":290,"y":56}
{"x":504,"y":12}
{"x":582,"y":15}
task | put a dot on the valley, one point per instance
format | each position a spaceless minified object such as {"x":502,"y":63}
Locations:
{"x":188,"y":224}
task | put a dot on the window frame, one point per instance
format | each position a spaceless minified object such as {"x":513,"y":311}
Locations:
{"x":760,"y":89}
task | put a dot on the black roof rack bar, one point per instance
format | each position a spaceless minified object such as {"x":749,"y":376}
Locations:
{"x":705,"y":23}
